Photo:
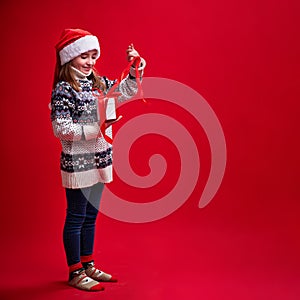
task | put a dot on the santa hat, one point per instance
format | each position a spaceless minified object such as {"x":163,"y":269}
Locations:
{"x":74,"y":42}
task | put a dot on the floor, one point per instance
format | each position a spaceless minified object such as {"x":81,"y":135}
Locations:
{"x":191,"y":254}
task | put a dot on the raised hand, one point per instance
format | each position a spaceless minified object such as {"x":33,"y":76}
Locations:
{"x":131,"y":53}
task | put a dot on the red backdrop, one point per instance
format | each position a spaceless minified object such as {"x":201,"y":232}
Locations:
{"x":243,"y":58}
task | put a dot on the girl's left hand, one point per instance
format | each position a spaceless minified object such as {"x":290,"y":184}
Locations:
{"x":131,"y":53}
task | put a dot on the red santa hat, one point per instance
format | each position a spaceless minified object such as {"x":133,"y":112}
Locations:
{"x":73,"y":42}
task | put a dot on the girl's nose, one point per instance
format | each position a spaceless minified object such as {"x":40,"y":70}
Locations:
{"x":90,"y":61}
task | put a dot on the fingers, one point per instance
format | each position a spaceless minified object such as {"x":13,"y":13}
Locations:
{"x":131,"y":52}
{"x":119,"y":118}
{"x":130,"y":48}
{"x":109,"y":123}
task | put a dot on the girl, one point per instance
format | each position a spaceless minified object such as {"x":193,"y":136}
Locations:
{"x":86,"y":157}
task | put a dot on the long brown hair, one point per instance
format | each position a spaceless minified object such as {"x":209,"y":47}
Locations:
{"x":65,"y":73}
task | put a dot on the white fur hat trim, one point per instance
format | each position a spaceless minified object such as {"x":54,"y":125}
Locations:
{"x":84,"y":44}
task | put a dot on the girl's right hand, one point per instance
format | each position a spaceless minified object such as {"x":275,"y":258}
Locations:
{"x":109,"y":123}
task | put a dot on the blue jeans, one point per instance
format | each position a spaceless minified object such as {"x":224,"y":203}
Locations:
{"x":79,"y":229}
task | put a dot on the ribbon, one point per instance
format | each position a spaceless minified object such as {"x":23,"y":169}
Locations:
{"x":103,"y":99}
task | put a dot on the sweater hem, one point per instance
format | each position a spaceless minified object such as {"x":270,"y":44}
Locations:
{"x":87,"y":178}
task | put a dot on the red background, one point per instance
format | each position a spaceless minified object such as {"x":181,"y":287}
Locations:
{"x":243,"y":58}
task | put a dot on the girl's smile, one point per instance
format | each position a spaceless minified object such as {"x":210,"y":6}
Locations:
{"x":85,"y":62}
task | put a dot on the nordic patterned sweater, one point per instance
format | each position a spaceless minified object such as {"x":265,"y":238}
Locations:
{"x":86,"y":157}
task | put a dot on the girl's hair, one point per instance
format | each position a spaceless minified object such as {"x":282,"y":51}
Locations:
{"x":67,"y":74}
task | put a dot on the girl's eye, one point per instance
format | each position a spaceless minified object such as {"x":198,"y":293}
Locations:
{"x":83,"y":56}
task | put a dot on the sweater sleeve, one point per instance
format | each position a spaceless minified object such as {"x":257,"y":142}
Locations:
{"x":62,"y":107}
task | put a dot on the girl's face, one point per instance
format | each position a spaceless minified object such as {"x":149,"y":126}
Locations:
{"x":85,"y":61}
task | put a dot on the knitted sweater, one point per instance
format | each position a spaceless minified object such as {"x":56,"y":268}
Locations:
{"x":86,"y":157}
